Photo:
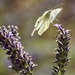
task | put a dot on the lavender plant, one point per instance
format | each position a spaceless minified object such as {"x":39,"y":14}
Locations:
{"x":21,"y":60}
{"x":62,"y":59}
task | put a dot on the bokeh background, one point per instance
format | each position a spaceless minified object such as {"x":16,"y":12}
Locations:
{"x":24,"y":13}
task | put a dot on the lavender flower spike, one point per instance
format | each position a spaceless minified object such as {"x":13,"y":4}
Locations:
{"x":61,"y":59}
{"x":10,"y":41}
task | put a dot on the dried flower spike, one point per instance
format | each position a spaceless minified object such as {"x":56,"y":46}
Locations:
{"x":10,"y":41}
{"x":61,"y":59}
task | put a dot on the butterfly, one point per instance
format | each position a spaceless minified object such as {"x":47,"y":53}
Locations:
{"x":43,"y":22}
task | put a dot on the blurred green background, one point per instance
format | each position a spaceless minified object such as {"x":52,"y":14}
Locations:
{"x":24,"y":13}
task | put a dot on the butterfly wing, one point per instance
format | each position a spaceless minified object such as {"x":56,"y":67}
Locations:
{"x":44,"y":27}
{"x":54,"y":13}
{"x":37,"y":25}
{"x":41,"y":19}
{"x":40,"y":22}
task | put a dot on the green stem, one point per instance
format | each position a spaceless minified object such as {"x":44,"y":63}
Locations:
{"x":60,"y":73}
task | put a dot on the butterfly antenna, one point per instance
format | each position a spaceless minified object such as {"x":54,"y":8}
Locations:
{"x":57,"y":6}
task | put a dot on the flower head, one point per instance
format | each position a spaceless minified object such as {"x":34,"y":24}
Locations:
{"x":20,"y":59}
{"x":62,"y":59}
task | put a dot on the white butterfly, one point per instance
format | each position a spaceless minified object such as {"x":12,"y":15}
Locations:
{"x":43,"y":22}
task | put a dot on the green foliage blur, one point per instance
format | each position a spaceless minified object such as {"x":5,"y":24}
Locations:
{"x":24,"y":13}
